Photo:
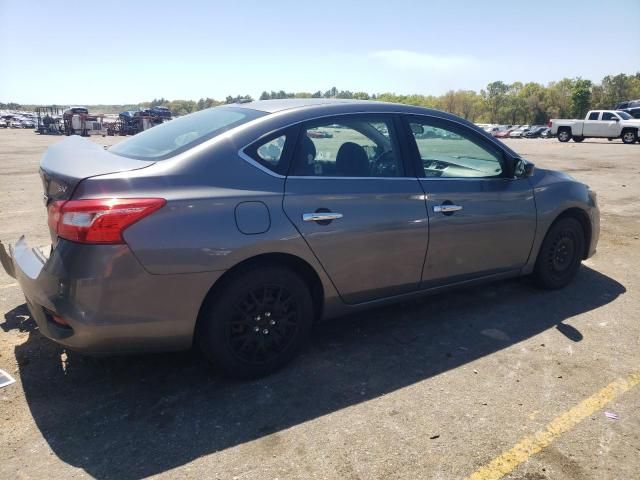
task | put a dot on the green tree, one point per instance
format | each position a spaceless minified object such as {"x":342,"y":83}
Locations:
{"x":580,"y":97}
{"x":495,"y":97}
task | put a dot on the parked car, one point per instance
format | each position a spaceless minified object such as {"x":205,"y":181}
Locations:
{"x":233,"y":229}
{"x":632,"y":107}
{"x":535,"y":131}
{"x":319,"y":134}
{"x":504,"y":133}
{"x":546,"y":133}
{"x":598,"y":123}
{"x":519,"y":132}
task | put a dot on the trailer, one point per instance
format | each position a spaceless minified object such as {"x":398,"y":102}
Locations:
{"x":49,"y":120}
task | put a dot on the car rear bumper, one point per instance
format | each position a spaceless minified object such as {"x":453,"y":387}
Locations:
{"x":109,"y":302}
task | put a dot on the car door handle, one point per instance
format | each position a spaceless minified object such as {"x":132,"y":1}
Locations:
{"x":321,"y":216}
{"x":444,"y":208}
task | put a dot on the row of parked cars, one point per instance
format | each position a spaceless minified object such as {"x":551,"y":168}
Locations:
{"x":10,"y":120}
{"x":517,"y":131}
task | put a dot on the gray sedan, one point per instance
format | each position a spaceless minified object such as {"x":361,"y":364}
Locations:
{"x":237,"y":228}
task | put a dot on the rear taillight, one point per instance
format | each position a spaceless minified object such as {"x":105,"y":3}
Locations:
{"x":99,"y":220}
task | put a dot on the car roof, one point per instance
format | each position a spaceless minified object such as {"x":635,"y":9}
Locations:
{"x":313,"y":107}
{"x":277,"y":105}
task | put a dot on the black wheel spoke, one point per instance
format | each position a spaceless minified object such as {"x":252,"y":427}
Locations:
{"x":264,"y":323}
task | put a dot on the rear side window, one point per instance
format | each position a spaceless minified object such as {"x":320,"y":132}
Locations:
{"x":593,"y":115}
{"x":359,"y":146}
{"x":181,"y":134}
{"x":274,"y":150}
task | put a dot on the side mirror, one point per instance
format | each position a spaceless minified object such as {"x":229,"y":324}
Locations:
{"x":615,"y":119}
{"x":523,"y":168}
{"x":417,"y":129}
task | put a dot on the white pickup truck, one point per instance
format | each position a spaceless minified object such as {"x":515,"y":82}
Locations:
{"x":598,"y":123}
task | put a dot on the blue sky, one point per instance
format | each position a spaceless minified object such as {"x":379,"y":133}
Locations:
{"x":125,"y":52}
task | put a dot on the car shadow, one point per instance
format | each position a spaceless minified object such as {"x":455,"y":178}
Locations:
{"x":132,"y":417}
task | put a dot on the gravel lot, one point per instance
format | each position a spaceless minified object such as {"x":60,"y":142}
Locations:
{"x":434,"y":388}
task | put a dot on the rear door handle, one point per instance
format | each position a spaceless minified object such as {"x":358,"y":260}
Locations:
{"x":444,"y":208}
{"x":321,"y":216}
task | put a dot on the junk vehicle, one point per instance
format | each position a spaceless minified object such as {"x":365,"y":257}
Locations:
{"x":632,"y":107}
{"x":77,"y":121}
{"x":49,"y":120}
{"x":234,"y":230}
{"x":136,"y":121}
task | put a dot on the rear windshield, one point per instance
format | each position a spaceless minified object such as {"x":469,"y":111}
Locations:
{"x":181,"y":134}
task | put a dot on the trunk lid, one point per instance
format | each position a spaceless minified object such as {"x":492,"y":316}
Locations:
{"x":74,"y":159}
{"x":70,"y":161}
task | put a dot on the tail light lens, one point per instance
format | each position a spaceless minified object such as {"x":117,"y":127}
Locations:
{"x":99,"y":220}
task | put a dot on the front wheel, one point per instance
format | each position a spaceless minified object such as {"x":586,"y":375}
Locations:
{"x":629,"y":136}
{"x":564,"y":135}
{"x":560,"y":255}
{"x":257,"y":322}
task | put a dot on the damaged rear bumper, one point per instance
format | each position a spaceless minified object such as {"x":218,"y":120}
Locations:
{"x":99,"y":300}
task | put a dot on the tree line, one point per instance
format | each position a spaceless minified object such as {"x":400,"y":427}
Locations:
{"x":499,"y":102}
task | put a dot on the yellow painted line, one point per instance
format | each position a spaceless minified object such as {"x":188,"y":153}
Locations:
{"x":8,"y":285}
{"x":532,"y":444}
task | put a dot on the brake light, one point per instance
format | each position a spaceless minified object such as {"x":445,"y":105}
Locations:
{"x":99,"y":220}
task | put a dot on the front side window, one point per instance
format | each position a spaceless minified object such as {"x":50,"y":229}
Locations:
{"x":176,"y":136}
{"x":348,"y":146}
{"x":449,"y":152}
{"x":593,"y":115}
{"x":608,"y":116}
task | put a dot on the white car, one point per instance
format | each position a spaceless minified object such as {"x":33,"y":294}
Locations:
{"x":519,"y":132}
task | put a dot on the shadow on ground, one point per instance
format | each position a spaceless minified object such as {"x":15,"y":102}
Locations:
{"x":132,"y":417}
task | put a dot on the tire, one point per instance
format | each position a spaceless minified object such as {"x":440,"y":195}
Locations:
{"x":564,"y":135}
{"x":578,"y":139}
{"x":561,"y":253}
{"x":629,"y":136}
{"x":257,"y":322}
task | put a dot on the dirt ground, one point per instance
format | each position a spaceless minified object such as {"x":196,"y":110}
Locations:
{"x":433,"y":389}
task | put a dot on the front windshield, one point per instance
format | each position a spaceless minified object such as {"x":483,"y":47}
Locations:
{"x":624,"y":115}
{"x":181,"y":134}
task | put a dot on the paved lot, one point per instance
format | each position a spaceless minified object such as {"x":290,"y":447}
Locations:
{"x":502,"y":376}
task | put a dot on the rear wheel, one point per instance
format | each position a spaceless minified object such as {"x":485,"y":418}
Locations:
{"x":560,"y":255}
{"x":257,"y":322}
{"x":578,"y":139}
{"x":629,"y":136}
{"x":564,"y":135}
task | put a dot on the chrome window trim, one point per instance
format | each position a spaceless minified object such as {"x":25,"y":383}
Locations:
{"x":258,"y":165}
{"x":313,"y":177}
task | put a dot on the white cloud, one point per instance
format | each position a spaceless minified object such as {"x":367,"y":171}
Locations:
{"x":409,"y":60}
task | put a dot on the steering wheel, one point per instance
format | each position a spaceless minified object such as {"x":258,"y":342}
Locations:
{"x":385,"y":165}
